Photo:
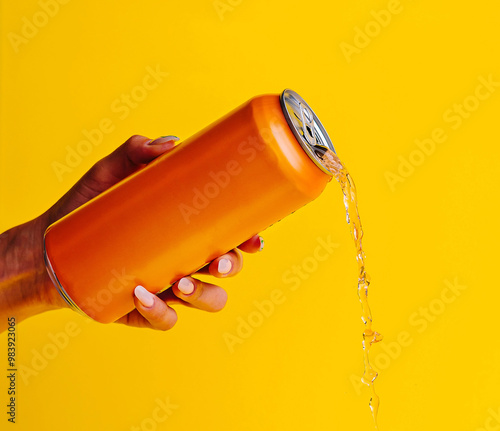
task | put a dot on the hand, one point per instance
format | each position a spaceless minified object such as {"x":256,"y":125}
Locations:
{"x":155,"y":311}
{"x":25,"y":287}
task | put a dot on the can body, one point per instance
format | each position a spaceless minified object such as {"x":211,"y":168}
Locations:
{"x":213,"y":191}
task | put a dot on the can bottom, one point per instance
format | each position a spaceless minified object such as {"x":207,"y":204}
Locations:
{"x":58,"y":285}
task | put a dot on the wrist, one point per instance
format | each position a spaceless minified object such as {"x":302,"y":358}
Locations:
{"x":25,"y":287}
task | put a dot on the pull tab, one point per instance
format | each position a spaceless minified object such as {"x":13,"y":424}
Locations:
{"x":307,"y":124}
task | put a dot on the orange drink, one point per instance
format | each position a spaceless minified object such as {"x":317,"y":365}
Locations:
{"x":213,"y":191}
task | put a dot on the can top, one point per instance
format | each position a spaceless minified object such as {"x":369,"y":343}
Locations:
{"x":306,"y":127}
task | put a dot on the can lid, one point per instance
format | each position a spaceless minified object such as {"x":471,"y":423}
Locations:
{"x":306,"y":127}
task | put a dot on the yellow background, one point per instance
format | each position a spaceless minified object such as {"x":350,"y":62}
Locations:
{"x":298,"y":368}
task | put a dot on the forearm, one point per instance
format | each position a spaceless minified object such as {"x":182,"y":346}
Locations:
{"x":25,"y":288}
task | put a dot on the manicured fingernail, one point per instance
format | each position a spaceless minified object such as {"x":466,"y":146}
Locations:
{"x":224,"y":266}
{"x":147,"y":299}
{"x":186,"y":286}
{"x":261,"y":243}
{"x":163,"y":139}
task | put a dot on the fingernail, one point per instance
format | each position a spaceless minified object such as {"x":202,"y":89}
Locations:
{"x":261,"y":243}
{"x":224,"y":266}
{"x":163,"y":139}
{"x":147,"y":299}
{"x":186,"y":286}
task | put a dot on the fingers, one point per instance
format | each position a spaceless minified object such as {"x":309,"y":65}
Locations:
{"x":227,"y":265}
{"x":151,"y":311}
{"x":231,"y":263}
{"x":125,"y":160}
{"x":198,"y":294}
{"x":135,"y":152}
{"x":155,"y":312}
{"x":252,"y":245}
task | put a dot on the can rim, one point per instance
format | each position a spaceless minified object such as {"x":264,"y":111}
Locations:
{"x":57,"y":283}
{"x":313,"y":138}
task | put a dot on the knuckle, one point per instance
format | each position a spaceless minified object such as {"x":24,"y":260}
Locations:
{"x":134,"y":142}
{"x":135,"y":138}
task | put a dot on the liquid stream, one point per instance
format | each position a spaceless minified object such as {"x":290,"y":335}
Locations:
{"x":334,"y":165}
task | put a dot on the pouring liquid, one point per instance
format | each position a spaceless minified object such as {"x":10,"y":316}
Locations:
{"x":334,"y":165}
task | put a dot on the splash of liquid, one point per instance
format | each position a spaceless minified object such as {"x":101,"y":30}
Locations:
{"x":334,"y":165}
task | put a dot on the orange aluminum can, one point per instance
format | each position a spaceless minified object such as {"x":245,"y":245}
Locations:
{"x":212,"y":192}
